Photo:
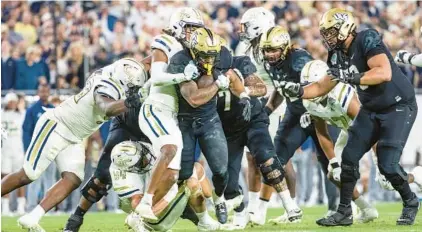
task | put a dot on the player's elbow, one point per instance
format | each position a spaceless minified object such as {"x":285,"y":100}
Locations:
{"x":387,"y":74}
{"x":195,"y":103}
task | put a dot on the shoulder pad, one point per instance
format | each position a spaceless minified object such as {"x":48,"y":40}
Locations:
{"x":369,"y":39}
{"x":178,"y":62}
{"x":169,"y":45}
{"x":244,"y":65}
{"x":299,"y":58}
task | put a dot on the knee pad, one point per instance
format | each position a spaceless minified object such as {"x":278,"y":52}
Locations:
{"x":99,"y":191}
{"x":272,"y":174}
{"x":349,"y":173}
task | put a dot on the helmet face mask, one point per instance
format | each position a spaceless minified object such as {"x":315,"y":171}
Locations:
{"x":205,"y":47}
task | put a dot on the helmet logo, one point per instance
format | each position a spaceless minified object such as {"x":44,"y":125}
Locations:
{"x":341,"y":16}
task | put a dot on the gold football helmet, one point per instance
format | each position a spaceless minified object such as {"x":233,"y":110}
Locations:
{"x":205,"y":47}
{"x":275,"y":44}
{"x":335,"y":26}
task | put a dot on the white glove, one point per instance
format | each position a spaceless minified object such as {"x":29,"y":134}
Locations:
{"x":191,"y":71}
{"x":305,"y":120}
{"x":403,"y":56}
{"x":334,"y":169}
{"x":383,"y":182}
{"x":222,"y":82}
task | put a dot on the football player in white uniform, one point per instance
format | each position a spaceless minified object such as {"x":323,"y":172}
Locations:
{"x":107,"y":93}
{"x":338,"y":108}
{"x":12,"y":151}
{"x":254,"y":22}
{"x":158,"y":115}
{"x":131,"y":172}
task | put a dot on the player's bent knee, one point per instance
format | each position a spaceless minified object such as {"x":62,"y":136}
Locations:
{"x":94,"y":190}
{"x":23,"y":177}
{"x":72,"y":178}
{"x":349,"y":172}
{"x":272,"y":171}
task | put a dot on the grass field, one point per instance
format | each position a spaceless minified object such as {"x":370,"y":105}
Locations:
{"x":99,"y":222}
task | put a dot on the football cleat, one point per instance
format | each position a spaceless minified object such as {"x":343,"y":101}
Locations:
{"x":409,"y":212}
{"x":27,"y":222}
{"x":73,"y":224}
{"x":337,"y":219}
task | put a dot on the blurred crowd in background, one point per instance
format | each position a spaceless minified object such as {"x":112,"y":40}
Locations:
{"x":56,"y":45}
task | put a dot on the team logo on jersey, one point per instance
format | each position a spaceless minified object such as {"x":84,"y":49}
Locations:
{"x":334,"y":59}
{"x":341,"y":16}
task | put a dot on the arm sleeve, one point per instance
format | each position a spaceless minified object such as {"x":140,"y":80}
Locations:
{"x":159,"y":76}
{"x":371,"y":44}
{"x":417,"y":60}
{"x":28,"y":127}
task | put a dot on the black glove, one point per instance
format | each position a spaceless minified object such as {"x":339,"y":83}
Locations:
{"x":349,"y":78}
{"x":133,"y":98}
{"x":291,"y":89}
{"x":247,"y":108}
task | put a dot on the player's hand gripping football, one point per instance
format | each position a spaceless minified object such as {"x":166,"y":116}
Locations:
{"x":133,"y":99}
{"x":223,"y":82}
{"x":334,"y":169}
{"x":191,"y":71}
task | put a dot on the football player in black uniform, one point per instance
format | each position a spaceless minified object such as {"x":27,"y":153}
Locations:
{"x":251,"y":131}
{"x":198,"y":118}
{"x":284,"y":63}
{"x":387,"y":113}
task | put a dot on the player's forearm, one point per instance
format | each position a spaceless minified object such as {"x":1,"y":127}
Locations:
{"x":275,"y":100}
{"x":160,"y":77}
{"x":324,"y":138}
{"x":376,"y":76}
{"x":255,"y":86}
{"x":201,"y":96}
{"x":319,"y":88}
{"x":109,"y":106}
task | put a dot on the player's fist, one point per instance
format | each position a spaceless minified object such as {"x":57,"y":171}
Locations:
{"x":133,"y":99}
{"x":191,"y":71}
{"x":247,"y":108}
{"x":383,"y":182}
{"x":334,"y":169}
{"x":292,"y":90}
{"x":403,"y":56}
{"x":305,"y":120}
{"x":222,"y":82}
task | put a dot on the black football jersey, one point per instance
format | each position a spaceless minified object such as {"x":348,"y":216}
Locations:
{"x":129,"y":121}
{"x":177,"y":65}
{"x":228,"y":106}
{"x":289,"y":70}
{"x":368,"y":43}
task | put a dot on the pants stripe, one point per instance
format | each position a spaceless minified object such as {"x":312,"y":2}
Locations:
{"x":43,"y":145}
{"x":36,"y":139}
{"x":158,"y":120}
{"x":149,"y":124}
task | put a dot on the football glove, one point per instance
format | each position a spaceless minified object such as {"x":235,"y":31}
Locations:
{"x":404,"y":57}
{"x":191,"y":71}
{"x":292,"y":90}
{"x":305,"y":120}
{"x":334,"y":169}
{"x":222,"y":82}
{"x":383,"y":182}
{"x":133,"y":99}
{"x":337,"y":75}
{"x":247,"y":108}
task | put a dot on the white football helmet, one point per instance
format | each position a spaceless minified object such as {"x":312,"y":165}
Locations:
{"x":254,"y":22}
{"x":313,"y":71}
{"x":185,"y":16}
{"x":129,"y":73}
{"x":130,"y":156}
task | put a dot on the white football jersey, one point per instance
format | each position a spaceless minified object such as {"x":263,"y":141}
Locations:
{"x":245,"y":49}
{"x":79,"y":113}
{"x":333,"y":108}
{"x":165,"y":95}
